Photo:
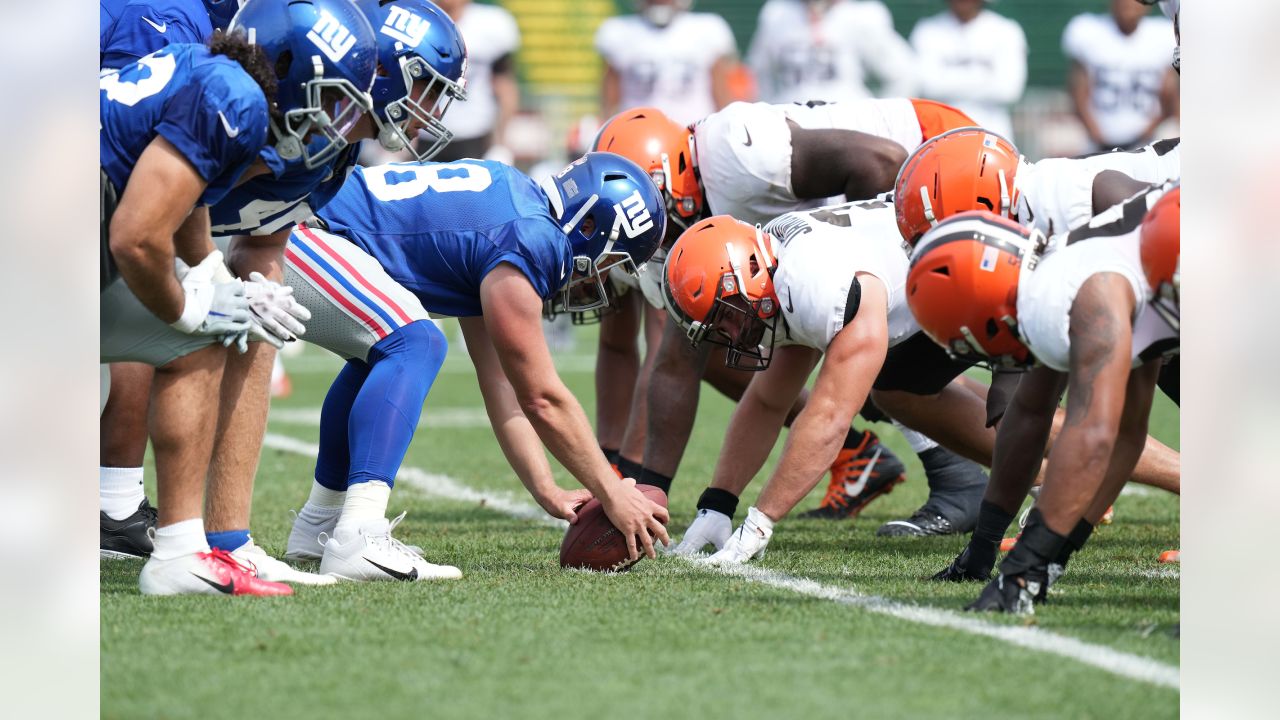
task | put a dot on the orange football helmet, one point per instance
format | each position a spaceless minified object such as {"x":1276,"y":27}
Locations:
{"x":1162,"y":255}
{"x":718,"y":284}
{"x":962,"y":286}
{"x":664,"y":148}
{"x":963,"y":169}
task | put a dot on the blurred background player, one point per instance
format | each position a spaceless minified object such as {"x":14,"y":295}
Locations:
{"x":974,"y":59}
{"x":825,"y":50}
{"x":479,"y":124}
{"x":666,"y":57}
{"x":1121,"y":84}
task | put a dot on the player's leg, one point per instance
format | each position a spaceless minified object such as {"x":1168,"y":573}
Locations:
{"x":637,"y":421}
{"x":360,"y":312}
{"x":617,"y":371}
{"x":125,"y":514}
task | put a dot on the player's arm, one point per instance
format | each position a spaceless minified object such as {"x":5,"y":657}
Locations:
{"x":852,"y":361}
{"x":506,"y":90}
{"x":1081,"y":88}
{"x":672,"y":400}
{"x":513,"y":318}
{"x":1022,"y":435}
{"x":1100,"y":336}
{"x":516,"y":437}
{"x":1112,"y":187}
{"x":826,"y":163}
{"x":759,"y":416}
{"x":162,"y":190}
{"x":193,"y":240}
{"x":259,"y":253}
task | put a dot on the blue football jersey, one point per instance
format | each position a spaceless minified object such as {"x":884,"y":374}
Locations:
{"x":439,"y":228}
{"x":206,"y":105}
{"x":130,"y":29}
{"x":289,"y":194}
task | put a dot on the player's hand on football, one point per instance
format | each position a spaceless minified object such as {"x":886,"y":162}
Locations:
{"x":277,"y":317}
{"x":214,"y":302}
{"x":710,"y":527}
{"x":640,"y":519}
{"x":564,"y":504}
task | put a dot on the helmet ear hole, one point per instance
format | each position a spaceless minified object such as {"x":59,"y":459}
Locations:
{"x":985,"y":202}
{"x":942,"y":270}
{"x":283,"y":63}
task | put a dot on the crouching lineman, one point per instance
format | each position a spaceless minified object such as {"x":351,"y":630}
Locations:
{"x":1084,"y":315}
{"x":179,"y":128}
{"x":831,"y":288}
{"x":479,"y":241}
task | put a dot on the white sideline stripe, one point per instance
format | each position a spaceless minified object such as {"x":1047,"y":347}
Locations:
{"x":1104,"y":658}
{"x":440,"y":417}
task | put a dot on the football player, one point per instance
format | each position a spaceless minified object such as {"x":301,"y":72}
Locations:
{"x":178,"y":129}
{"x":422,"y":60}
{"x":980,"y":288}
{"x":754,"y":161}
{"x":477,"y":240}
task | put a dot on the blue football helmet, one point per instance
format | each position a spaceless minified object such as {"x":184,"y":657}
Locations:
{"x":613,"y":214}
{"x":417,"y":43}
{"x":222,"y":11}
{"x":325,"y":57}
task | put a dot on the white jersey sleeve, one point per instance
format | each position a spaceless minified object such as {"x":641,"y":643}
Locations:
{"x":1108,"y":244}
{"x":820,"y":253}
{"x":1056,"y":195}
{"x":979,"y":67}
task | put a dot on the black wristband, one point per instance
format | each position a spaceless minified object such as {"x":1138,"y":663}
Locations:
{"x":722,"y":501}
{"x":649,"y":477}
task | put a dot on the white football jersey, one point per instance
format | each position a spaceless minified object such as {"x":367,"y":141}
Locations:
{"x":1056,"y":195}
{"x":819,"y":253}
{"x":667,"y":67}
{"x":1109,"y":243}
{"x":744,"y":150}
{"x":1126,"y":72}
{"x":490,"y":33}
{"x":978,"y":66}
{"x":799,"y":54}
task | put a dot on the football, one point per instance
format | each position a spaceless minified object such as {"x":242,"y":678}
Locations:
{"x":593,"y":543}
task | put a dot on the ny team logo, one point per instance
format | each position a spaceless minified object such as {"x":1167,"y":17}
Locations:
{"x":328,"y":34}
{"x":405,"y":27}
{"x":632,"y":216}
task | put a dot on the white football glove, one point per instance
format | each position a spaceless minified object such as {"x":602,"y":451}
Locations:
{"x":214,"y":302}
{"x":277,"y":316}
{"x":750,"y":540}
{"x":709,"y":527}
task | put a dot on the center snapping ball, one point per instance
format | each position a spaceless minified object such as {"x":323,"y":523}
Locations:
{"x":593,"y":543}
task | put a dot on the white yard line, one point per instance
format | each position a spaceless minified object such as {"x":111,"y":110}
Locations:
{"x":1104,"y":658}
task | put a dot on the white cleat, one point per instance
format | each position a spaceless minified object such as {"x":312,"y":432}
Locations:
{"x":709,"y":527}
{"x":748,"y":542}
{"x":215,"y":572}
{"x":372,"y":554}
{"x":304,"y":539}
{"x":269,"y":568}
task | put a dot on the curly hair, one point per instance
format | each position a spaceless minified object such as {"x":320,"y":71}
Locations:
{"x":254,"y":61}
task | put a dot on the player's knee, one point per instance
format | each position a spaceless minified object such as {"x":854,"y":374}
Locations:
{"x":420,"y":343}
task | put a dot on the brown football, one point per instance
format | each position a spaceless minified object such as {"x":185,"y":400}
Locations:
{"x":593,"y":543}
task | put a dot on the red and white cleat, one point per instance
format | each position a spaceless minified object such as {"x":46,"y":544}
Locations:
{"x":215,"y":572}
{"x":1108,"y":516}
{"x":1171,"y":556}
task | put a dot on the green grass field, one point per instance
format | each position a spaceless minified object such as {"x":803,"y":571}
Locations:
{"x":834,"y":622}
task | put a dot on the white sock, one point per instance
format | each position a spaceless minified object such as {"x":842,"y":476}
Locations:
{"x":919,"y":443}
{"x":180,"y":538}
{"x":322,"y":504}
{"x":365,"y":501}
{"x":120,"y":491}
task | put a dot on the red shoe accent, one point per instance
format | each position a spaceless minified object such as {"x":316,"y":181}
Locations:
{"x":1108,"y":516}
{"x":239,"y":578}
{"x":1008,"y":544}
{"x":1171,"y":556}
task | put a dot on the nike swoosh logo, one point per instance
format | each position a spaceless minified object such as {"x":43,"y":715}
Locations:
{"x":852,"y":489}
{"x":158,"y":28}
{"x":231,"y":132}
{"x":228,"y":588}
{"x":748,"y":132}
{"x":411,"y":575}
{"x":790,"y":308}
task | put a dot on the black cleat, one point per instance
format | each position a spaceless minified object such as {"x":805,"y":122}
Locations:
{"x":922,"y":523}
{"x":859,"y":475}
{"x":1007,"y":594}
{"x":127,"y":538}
{"x":964,"y":569}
